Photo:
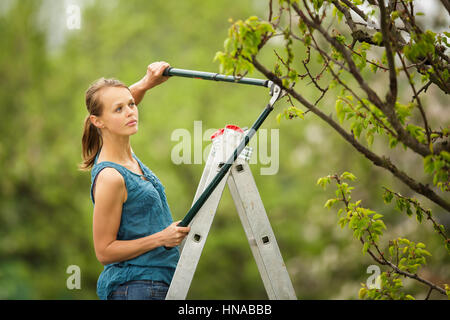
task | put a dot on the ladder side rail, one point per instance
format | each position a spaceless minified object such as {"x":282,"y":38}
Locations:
{"x":272,"y":264}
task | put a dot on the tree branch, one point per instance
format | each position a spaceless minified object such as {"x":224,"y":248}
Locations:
{"x":348,"y":16}
{"x":376,"y":160}
{"x":391,"y":96}
{"x":403,"y":135}
{"x":446,"y":4}
{"x":355,"y":9}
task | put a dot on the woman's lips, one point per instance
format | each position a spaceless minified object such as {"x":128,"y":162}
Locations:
{"x":132,"y":123}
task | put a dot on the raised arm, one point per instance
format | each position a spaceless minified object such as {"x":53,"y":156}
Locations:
{"x":153,"y":77}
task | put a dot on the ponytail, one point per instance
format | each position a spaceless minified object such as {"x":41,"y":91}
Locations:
{"x":92,"y":139}
{"x":91,"y":144}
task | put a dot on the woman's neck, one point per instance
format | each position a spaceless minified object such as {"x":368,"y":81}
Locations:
{"x":117,"y":150}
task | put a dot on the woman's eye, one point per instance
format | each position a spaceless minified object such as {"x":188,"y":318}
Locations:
{"x":132,"y":104}
{"x":119,"y":108}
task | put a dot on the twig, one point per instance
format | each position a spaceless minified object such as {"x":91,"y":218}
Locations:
{"x":424,"y":88}
{"x":419,"y":103}
{"x":381,"y":259}
{"x":427,"y":212}
{"x":429,"y":293}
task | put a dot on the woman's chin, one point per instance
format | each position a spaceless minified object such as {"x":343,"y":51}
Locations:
{"x":132,"y":131}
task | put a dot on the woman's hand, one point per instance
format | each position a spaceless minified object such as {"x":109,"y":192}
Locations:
{"x":173,"y":234}
{"x":154,"y":75}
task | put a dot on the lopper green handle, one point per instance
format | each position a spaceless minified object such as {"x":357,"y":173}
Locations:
{"x":213,"y":76}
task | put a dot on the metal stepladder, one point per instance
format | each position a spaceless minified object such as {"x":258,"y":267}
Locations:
{"x":252,"y":214}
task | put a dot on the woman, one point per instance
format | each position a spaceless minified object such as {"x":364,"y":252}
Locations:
{"x":132,"y":221}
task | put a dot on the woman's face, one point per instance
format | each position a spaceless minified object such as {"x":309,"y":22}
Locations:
{"x":120,"y":113}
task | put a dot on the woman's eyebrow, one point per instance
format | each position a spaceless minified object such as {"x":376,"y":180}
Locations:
{"x":118,"y":104}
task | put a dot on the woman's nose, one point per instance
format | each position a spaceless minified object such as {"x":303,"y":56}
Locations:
{"x":130,"y":110}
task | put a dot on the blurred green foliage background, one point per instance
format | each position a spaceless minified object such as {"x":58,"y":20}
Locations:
{"x":45,"y":209}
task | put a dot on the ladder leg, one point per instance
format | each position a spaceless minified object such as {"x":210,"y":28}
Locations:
{"x":259,"y":233}
{"x":204,"y":180}
{"x":195,"y":241}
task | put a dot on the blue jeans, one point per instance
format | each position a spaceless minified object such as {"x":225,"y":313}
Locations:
{"x":140,"y":290}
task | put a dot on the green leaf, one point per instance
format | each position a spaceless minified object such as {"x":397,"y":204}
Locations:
{"x":387,"y":196}
{"x":369,"y":138}
{"x":317,"y":4}
{"x":342,"y":221}
{"x":330,"y":203}
{"x":362,"y":293}
{"x":373,"y":66}
{"x":279,"y":118}
{"x":447,"y":290}
{"x":377,"y":38}
{"x":420,"y":245}
{"x":340,"y":110}
{"x":365,"y":247}
{"x":356,"y":127}
{"x":404,"y":241}
{"x":408,"y":208}
{"x":348,"y":175}
{"x":394,"y":15}
{"x":419,"y":215}
{"x":392,"y":142}
{"x":377,"y":216}
{"x":428,"y":164}
{"x":323,"y":182}
{"x":391,"y":250}
{"x":445,"y":155}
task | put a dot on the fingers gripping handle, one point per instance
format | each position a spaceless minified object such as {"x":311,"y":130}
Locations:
{"x":178,"y":225}
{"x":167,"y":72}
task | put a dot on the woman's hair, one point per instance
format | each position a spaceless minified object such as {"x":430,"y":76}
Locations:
{"x":92,"y":139}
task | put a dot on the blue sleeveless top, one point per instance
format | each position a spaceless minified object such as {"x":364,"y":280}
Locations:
{"x":145,"y":212}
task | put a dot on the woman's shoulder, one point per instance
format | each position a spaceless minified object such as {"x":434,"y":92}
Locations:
{"x":110,"y":182}
{"x":111,"y":176}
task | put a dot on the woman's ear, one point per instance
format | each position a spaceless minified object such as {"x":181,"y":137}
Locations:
{"x":96,"y":121}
